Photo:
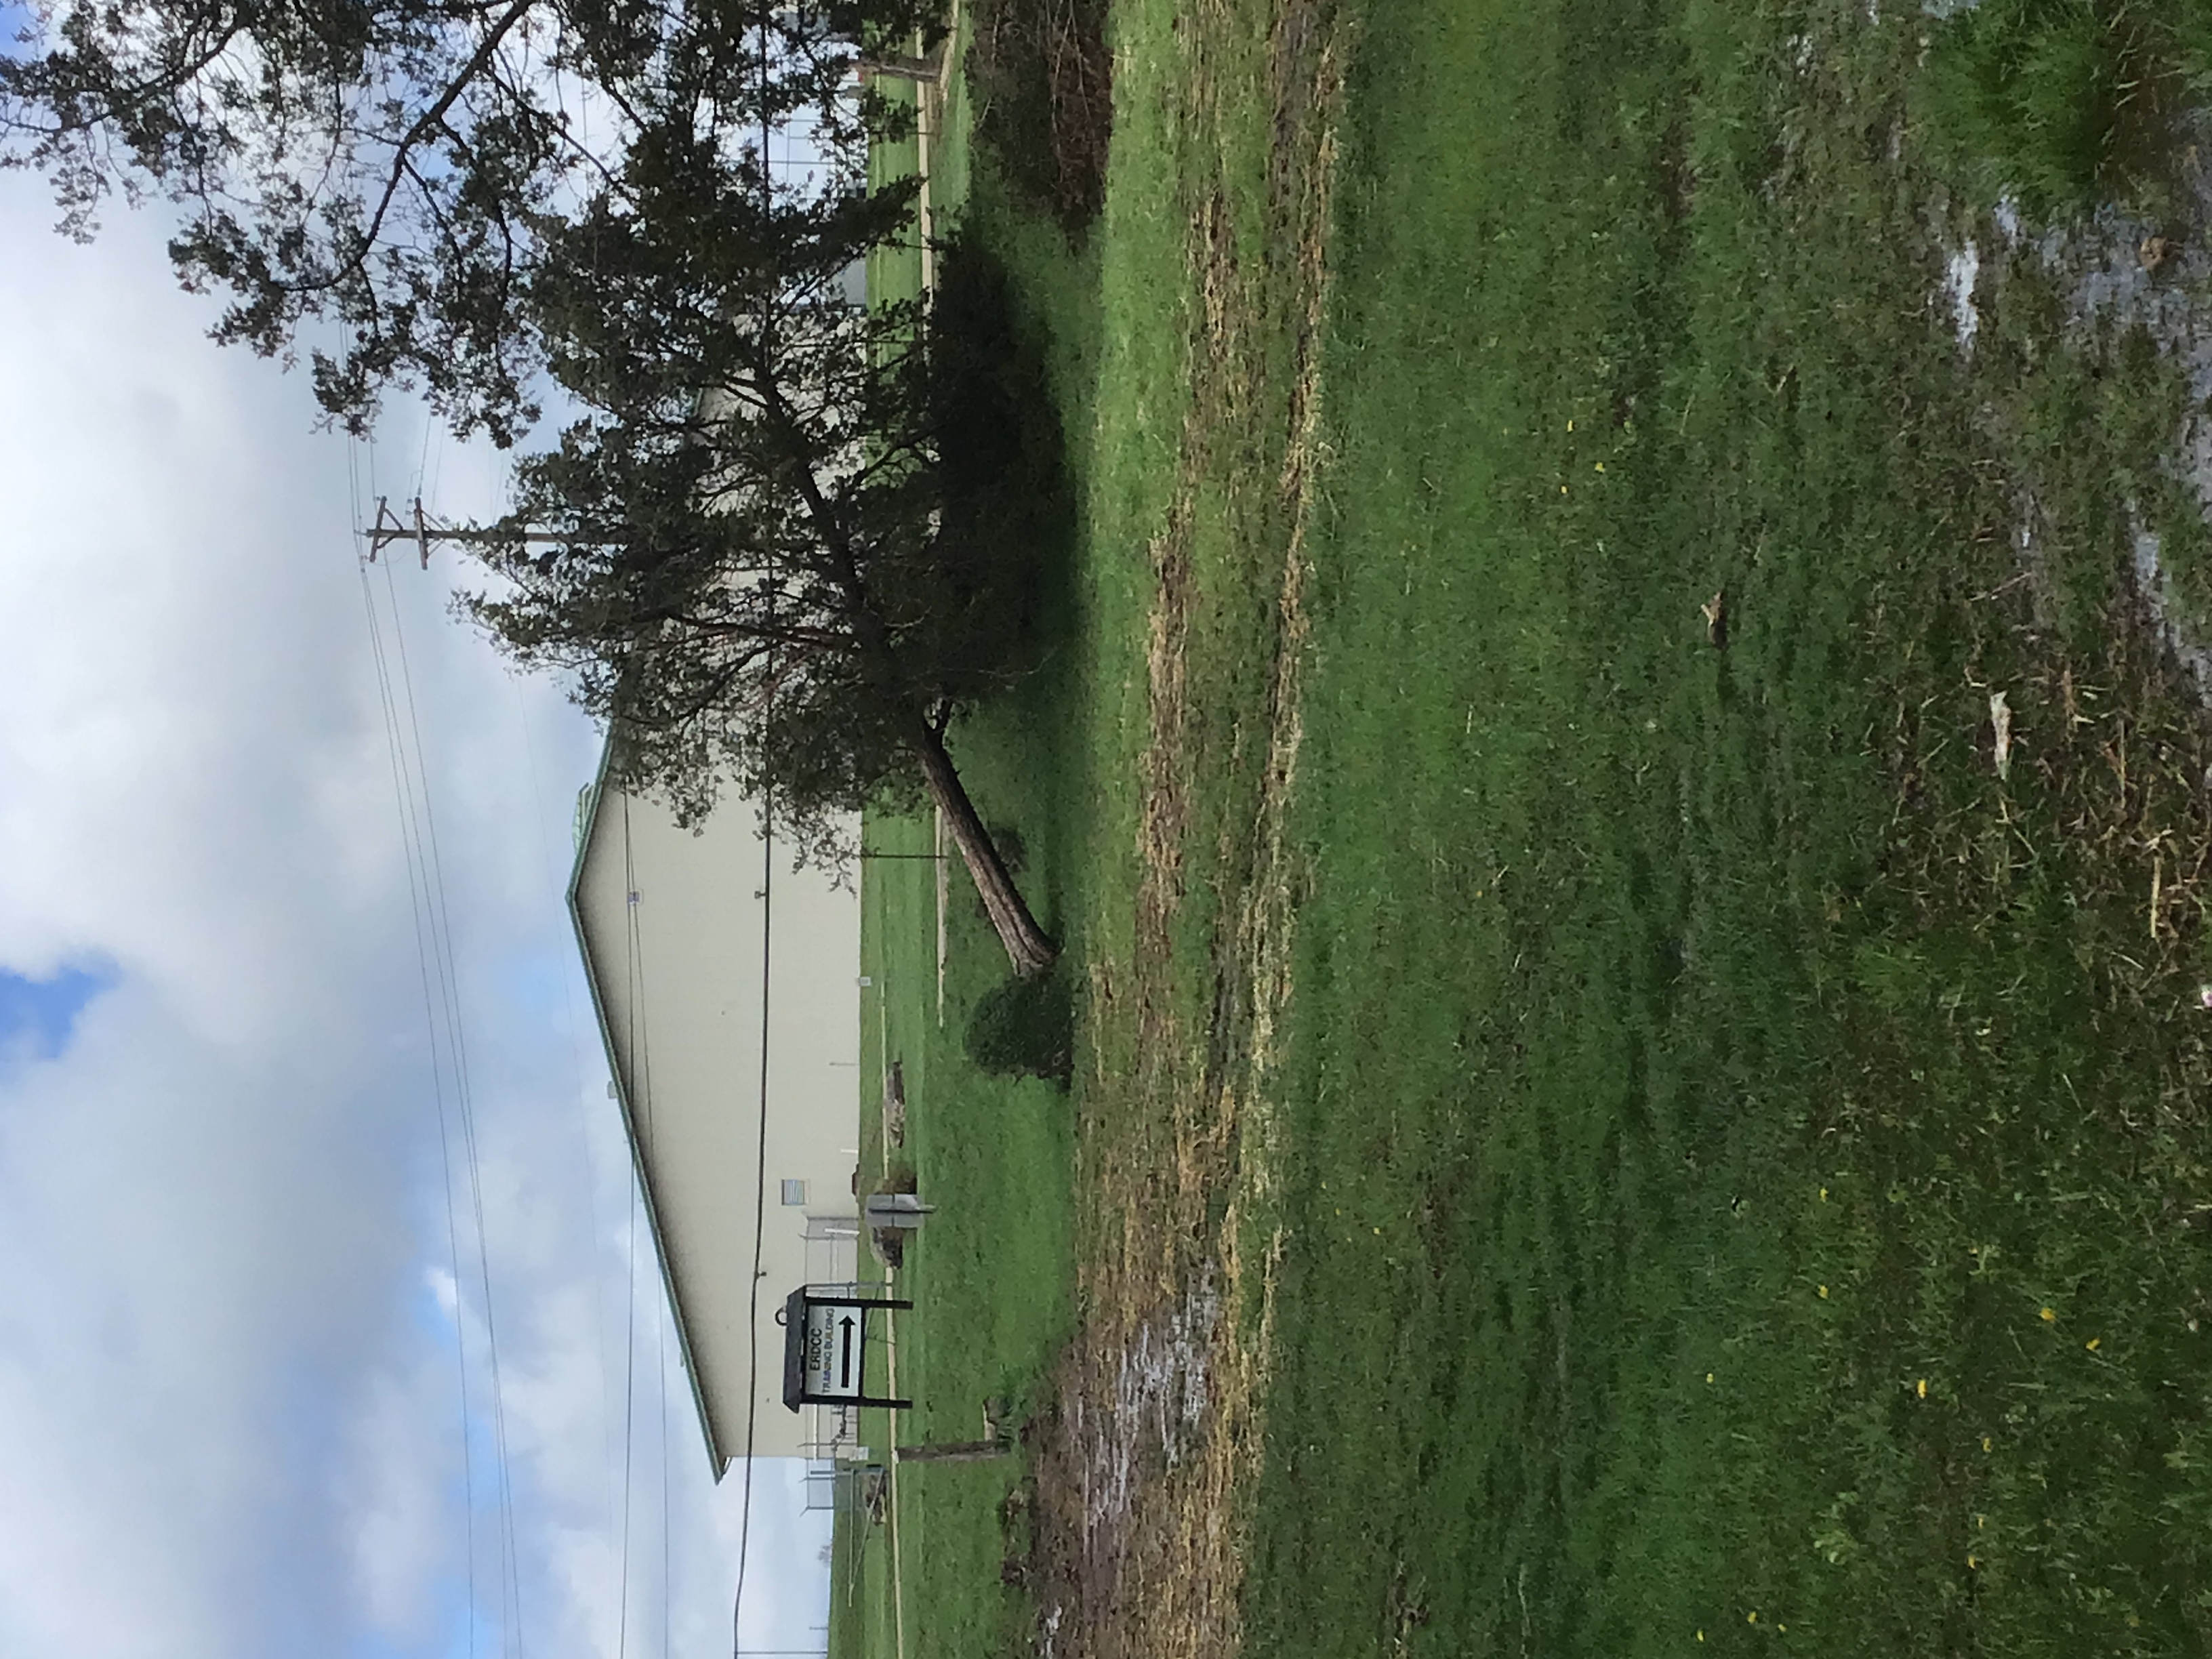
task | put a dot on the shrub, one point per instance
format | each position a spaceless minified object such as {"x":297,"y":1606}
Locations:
{"x":1008,"y":506}
{"x":1044,"y":79}
{"x":1025,"y":1027}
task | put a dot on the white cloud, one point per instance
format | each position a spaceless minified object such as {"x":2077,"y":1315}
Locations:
{"x":395,"y":1468}
{"x":230,"y":1406}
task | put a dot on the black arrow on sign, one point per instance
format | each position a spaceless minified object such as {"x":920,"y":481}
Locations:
{"x":845,"y":1357}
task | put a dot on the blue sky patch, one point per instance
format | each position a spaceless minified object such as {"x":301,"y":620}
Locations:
{"x":37,"y":1017}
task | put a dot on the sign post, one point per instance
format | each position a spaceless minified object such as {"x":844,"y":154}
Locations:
{"x":825,"y":1349}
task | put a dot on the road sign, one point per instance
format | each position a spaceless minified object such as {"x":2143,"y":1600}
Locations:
{"x":825,"y":1349}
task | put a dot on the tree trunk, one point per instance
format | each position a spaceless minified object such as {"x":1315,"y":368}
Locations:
{"x":893,"y":66}
{"x":1027,"y":945}
{"x":954,"y":1451}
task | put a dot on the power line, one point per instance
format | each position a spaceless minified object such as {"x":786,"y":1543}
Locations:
{"x":667,"y":1549}
{"x":759,"y":1215}
{"x":634,"y":979}
{"x":571,"y":1026}
{"x":441,"y":934}
{"x":431,"y":905}
{"x":417,"y":904}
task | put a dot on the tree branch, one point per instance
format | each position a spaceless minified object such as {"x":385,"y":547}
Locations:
{"x":429,"y":121}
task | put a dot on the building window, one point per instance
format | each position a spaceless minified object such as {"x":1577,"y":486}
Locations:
{"x":794,"y":1192}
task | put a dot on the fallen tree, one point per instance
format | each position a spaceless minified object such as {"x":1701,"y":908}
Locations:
{"x":755,"y":577}
{"x":754,"y":582}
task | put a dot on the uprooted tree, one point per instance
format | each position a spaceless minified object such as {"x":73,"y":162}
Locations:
{"x":758,"y":574}
{"x":756,"y":582}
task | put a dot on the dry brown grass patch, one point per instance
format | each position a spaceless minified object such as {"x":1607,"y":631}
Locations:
{"x":1146,"y":1463}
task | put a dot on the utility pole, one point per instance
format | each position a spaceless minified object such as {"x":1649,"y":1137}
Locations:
{"x":390,"y":527}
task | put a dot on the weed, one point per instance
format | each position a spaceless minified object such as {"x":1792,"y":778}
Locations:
{"x":2069,"y":103}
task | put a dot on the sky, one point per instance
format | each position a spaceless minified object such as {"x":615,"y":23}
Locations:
{"x":282,"y":945}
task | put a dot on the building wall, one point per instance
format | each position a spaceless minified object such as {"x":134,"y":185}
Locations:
{"x":669,"y":923}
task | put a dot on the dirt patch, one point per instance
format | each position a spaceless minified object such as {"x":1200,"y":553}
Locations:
{"x":1145,"y":1460}
{"x":1164,"y":820}
{"x":2120,"y":747}
{"x":2118,"y":271}
{"x":1265,"y":928}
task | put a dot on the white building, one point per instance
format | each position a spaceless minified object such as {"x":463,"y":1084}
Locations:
{"x":744,"y":1206}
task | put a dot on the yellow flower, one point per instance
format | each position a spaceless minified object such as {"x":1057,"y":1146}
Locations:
{"x":1824,"y":1290}
{"x":1985,"y":1443}
{"x":2092,"y":1343}
{"x":1708,"y":1376}
{"x":1563,"y":489}
{"x":1701,"y":1636}
{"x":2049,"y":1314}
{"x":1973,"y":1561}
{"x":1921,"y":1387}
{"x":1570,"y":426}
{"x":1751,"y":1617}
{"x":1598,"y":467}
{"x":1824,"y":1195}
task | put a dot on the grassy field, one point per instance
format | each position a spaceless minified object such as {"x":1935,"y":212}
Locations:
{"x":991,"y":1274}
{"x":1746,"y":1151}
{"x":1673,"y":1150}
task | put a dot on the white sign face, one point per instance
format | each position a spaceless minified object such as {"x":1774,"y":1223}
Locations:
{"x":835,"y":1339}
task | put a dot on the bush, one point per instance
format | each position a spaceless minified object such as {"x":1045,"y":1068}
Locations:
{"x":1025,"y":1027}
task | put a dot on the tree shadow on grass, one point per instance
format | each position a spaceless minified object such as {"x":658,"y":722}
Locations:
{"x":1009,"y":535}
{"x":1007,"y":532}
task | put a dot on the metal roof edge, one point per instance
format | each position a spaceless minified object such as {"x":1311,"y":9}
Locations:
{"x":719,"y":1460}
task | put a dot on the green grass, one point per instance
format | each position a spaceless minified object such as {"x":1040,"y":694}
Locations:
{"x":1707,"y":1070}
{"x":2071,"y":103}
{"x":1704,"y":1071}
{"x":991,"y":1272}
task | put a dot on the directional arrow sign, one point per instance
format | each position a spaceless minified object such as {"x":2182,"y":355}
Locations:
{"x":836,"y":1349}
